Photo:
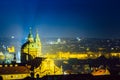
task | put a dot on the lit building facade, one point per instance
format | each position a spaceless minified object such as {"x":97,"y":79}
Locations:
{"x":31,"y":49}
{"x":13,"y":72}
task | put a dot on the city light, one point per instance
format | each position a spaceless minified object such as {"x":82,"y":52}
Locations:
{"x":59,"y":39}
{"x":61,"y":56}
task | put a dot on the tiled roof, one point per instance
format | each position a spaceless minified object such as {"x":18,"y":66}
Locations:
{"x":14,"y":70}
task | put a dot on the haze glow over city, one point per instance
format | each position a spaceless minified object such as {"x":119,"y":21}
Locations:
{"x":60,"y":18}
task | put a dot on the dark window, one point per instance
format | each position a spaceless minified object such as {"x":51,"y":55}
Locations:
{"x":11,"y":76}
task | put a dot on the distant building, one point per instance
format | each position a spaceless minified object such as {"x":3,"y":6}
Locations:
{"x":31,"y":49}
{"x":100,"y":71}
{"x":2,"y":57}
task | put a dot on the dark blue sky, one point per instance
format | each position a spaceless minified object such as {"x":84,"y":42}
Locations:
{"x":60,"y":18}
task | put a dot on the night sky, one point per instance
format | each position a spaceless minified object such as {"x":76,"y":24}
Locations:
{"x":60,"y":18}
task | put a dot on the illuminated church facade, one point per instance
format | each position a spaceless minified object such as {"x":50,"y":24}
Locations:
{"x":31,"y":48}
{"x":31,"y":54}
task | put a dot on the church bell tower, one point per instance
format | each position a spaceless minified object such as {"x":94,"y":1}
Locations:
{"x":32,"y":48}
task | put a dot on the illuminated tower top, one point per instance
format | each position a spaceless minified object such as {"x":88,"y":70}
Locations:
{"x":38,"y":44}
{"x":37,"y":38}
{"x":30,"y":36}
{"x":32,"y":48}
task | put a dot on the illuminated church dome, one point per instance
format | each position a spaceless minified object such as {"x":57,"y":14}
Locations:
{"x":31,"y":49}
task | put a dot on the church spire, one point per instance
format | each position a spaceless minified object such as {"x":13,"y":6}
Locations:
{"x":37,"y":38}
{"x":30,"y":36}
{"x":38,"y":43}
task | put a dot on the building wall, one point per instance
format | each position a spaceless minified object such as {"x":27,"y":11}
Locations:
{"x":14,"y":76}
